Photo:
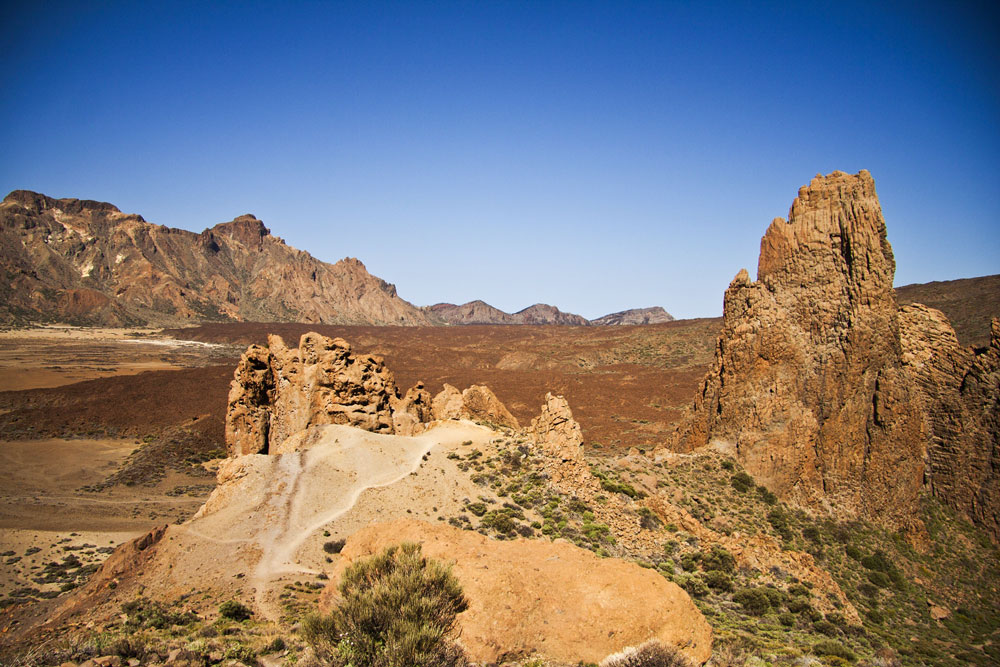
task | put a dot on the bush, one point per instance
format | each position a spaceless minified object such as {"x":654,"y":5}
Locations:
{"x":720,"y":581}
{"x":334,"y":547}
{"x":695,"y":586}
{"x":478,"y":509}
{"x":742,"y":482}
{"x":786,"y":618}
{"x":234,"y":610}
{"x":828,"y":647}
{"x":753,"y":600}
{"x":719,"y":559}
{"x":396,"y":608}
{"x":651,"y":654}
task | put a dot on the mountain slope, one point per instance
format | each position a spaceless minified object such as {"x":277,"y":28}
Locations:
{"x":480,"y":312}
{"x":87,"y":262}
{"x":653,"y":315}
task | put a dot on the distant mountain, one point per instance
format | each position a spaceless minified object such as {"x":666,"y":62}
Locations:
{"x":970,"y":304}
{"x":474,"y":312}
{"x":480,"y":312}
{"x":653,"y":315}
{"x":86,"y":262}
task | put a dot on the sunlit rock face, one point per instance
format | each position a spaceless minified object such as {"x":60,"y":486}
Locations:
{"x":808,"y":384}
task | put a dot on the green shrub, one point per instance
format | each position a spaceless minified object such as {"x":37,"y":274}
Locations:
{"x":853,"y":552}
{"x":478,"y":509}
{"x":753,"y":600}
{"x":695,"y":586}
{"x":742,"y":482}
{"x":826,"y":627}
{"x":786,"y":618}
{"x":396,"y":608}
{"x":719,"y":559}
{"x":829,"y":647}
{"x":234,"y":610}
{"x":720,"y":581}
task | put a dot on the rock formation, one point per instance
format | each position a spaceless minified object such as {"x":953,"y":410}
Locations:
{"x":87,"y":262}
{"x":477,"y":403}
{"x":279,"y":391}
{"x":554,"y":598}
{"x":654,"y":315}
{"x":960,"y":394}
{"x":969,"y":304}
{"x":556,"y":431}
{"x":808,"y":384}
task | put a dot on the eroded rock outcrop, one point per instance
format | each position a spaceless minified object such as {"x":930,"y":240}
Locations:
{"x":553,"y":598}
{"x":477,"y":403}
{"x":808,"y":383}
{"x":960,"y":394}
{"x":556,"y":430}
{"x":279,"y":391}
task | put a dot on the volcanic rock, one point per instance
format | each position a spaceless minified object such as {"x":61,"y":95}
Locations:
{"x":278,"y":392}
{"x":553,"y":598}
{"x":86,"y":262}
{"x":410,"y":413}
{"x":477,"y":403}
{"x":808,"y":383}
{"x":556,"y":431}
{"x":960,"y":394}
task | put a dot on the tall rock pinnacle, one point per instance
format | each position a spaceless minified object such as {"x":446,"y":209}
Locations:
{"x":808,"y":387}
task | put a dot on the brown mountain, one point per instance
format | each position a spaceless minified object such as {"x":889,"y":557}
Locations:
{"x":654,"y":315}
{"x":474,"y":312}
{"x":480,"y":312}
{"x":970,"y":304}
{"x":87,"y":262}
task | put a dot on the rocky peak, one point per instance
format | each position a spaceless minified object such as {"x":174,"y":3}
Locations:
{"x":245,"y":229}
{"x":36,"y":203}
{"x":808,"y":385}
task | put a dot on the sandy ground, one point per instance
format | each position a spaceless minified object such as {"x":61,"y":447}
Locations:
{"x":46,"y":515}
{"x":54,"y":356}
{"x":269,"y":519}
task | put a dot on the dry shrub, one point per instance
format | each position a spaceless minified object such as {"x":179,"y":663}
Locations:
{"x":653,"y":653}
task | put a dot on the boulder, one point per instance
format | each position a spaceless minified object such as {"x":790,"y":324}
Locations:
{"x":477,"y":403}
{"x":550,"y":598}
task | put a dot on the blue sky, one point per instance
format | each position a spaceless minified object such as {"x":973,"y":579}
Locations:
{"x":596,"y":156}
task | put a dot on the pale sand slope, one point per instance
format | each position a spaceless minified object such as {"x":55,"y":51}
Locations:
{"x":264,"y":524}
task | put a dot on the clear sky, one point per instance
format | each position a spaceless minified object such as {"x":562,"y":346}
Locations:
{"x":595,"y":156}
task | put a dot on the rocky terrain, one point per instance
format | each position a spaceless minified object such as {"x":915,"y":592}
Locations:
{"x":828,"y":497}
{"x":970,"y":304}
{"x":86,"y":262}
